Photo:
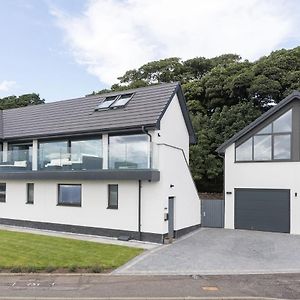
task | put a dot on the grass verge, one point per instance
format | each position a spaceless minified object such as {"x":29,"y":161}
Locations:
{"x":25,"y":252}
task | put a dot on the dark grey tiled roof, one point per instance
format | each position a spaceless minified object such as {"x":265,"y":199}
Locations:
{"x":79,"y":116}
{"x":259,"y":120}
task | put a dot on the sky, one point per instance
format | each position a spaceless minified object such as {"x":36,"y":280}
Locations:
{"x":63,"y":49}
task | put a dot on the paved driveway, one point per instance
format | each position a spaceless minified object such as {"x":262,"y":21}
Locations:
{"x":221,"y":251}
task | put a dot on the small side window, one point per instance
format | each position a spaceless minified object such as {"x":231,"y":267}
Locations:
{"x":112,"y":196}
{"x":2,"y":192}
{"x":30,"y":193}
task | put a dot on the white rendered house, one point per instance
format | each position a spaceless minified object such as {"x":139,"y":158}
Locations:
{"x":114,"y":164}
{"x":262,"y":171}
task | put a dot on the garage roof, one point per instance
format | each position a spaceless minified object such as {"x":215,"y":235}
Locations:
{"x":259,"y":120}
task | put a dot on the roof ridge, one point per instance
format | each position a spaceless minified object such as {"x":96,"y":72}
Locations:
{"x":97,"y":96}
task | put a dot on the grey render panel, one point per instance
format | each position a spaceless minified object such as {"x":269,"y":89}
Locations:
{"x":212,"y":212}
{"x":293,"y":96}
{"x":142,"y":174}
{"x":262,"y":209}
{"x":74,"y":116}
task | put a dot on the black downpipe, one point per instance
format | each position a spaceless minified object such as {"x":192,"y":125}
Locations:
{"x":139,"y":210}
{"x":147,"y":132}
{"x":150,"y":138}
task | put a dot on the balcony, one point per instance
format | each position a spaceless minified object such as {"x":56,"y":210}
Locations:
{"x":117,"y":162}
{"x":16,"y":160}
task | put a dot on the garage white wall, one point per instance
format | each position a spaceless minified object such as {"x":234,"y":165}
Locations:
{"x":273,"y":175}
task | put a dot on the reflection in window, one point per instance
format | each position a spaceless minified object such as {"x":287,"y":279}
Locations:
{"x":69,"y":194}
{"x":87,"y":148}
{"x":282,"y":146}
{"x":129,"y":152}
{"x":244,"y":151}
{"x":283,"y":123}
{"x":270,"y":143}
{"x":262,"y":147}
{"x":113,"y":196}
{"x":53,"y":153}
{"x":267,"y":129}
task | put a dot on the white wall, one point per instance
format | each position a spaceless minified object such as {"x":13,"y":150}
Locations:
{"x":93,"y":211}
{"x":173,"y":129}
{"x":175,"y":171}
{"x":276,"y":175}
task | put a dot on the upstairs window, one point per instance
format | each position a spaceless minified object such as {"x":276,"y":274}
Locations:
{"x":122,"y":100}
{"x":114,"y":101}
{"x":108,"y":101}
{"x":273,"y":142}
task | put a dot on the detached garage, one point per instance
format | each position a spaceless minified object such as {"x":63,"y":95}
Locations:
{"x":262,"y":209}
{"x":262,"y":171}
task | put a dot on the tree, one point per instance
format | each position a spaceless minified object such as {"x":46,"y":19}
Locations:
{"x":211,"y":132}
{"x":24,"y":100}
{"x":224,"y":94}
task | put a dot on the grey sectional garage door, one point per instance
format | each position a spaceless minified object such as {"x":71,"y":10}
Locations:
{"x":262,"y":209}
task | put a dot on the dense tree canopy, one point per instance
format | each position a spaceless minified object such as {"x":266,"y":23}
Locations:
{"x":224,"y":94}
{"x":24,"y":100}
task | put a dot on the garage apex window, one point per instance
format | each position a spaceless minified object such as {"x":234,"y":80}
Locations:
{"x":273,"y":142}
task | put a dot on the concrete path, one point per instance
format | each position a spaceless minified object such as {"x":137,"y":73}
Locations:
{"x":220,"y":251}
{"x":83,"y":237}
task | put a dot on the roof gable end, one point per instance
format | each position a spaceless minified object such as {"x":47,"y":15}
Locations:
{"x":294,"y":95}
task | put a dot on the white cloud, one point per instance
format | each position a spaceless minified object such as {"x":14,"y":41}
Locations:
{"x":112,"y":36}
{"x":6,"y":85}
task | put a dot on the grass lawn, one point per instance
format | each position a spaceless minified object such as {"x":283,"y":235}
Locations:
{"x":25,"y":252}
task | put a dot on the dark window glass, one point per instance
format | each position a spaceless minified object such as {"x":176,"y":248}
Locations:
{"x":30,"y":193}
{"x":108,"y":101}
{"x":113,"y":196}
{"x":69,"y":194}
{"x":2,"y":192}
{"x":122,"y":100}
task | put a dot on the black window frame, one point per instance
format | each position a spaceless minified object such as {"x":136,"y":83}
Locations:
{"x":109,"y":205}
{"x":272,"y":134}
{"x":3,"y":192}
{"x":28,"y":185}
{"x":60,"y":203}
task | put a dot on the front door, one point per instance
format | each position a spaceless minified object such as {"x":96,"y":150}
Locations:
{"x":171,"y":218}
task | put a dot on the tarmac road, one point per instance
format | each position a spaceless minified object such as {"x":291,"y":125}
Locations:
{"x":88,"y":286}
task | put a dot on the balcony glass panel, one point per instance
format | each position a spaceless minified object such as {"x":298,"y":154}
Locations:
{"x":16,"y":160}
{"x":129,"y":152}
{"x":53,"y":155}
{"x":87,"y":154}
{"x":82,"y":155}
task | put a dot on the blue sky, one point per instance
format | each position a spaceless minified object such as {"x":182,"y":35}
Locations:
{"x":68,"y":48}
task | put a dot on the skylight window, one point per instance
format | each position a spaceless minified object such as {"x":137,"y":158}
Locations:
{"x":114,"y":102}
{"x":122,"y":100}
{"x":108,"y":101}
